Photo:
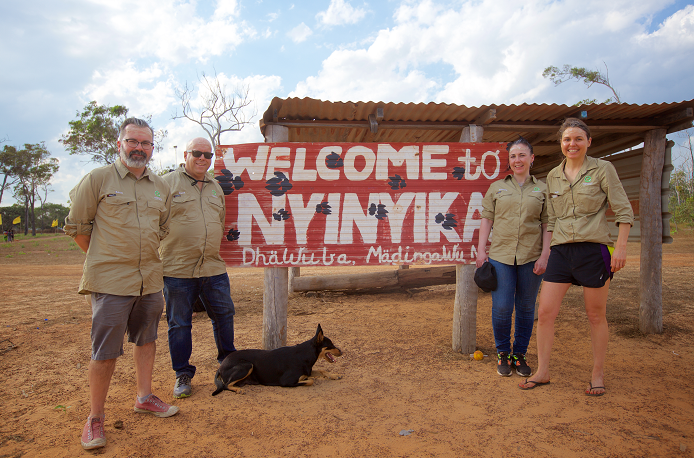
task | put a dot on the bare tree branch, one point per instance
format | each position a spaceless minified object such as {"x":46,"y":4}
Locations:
{"x":589,"y":77}
{"x":222,"y":110}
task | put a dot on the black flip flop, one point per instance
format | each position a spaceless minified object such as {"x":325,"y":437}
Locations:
{"x":588,"y":393}
{"x":535,"y":384}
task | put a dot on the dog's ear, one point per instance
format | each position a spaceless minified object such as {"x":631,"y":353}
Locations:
{"x":319,"y":335}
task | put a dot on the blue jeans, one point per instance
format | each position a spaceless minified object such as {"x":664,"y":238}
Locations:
{"x":517,"y":287}
{"x":180,"y":295}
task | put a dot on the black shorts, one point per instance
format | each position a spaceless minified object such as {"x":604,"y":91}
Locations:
{"x":583,"y":264}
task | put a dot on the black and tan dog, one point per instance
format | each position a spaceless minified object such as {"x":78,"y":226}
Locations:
{"x":286,"y":366}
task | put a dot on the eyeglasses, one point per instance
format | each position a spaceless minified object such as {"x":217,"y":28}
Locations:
{"x":133,"y":143}
{"x":196,"y":153}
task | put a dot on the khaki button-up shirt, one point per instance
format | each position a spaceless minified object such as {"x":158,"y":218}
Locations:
{"x":517,"y":213}
{"x":126,"y":218}
{"x":577,"y":210}
{"x":197,"y":226}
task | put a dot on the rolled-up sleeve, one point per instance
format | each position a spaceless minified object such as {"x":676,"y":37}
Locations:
{"x":165,"y":216}
{"x":488,"y":204}
{"x":83,"y":203}
{"x":617,"y":197}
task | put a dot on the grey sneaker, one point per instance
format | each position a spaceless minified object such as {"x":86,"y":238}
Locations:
{"x":183,"y":387}
{"x":521,"y":366}
{"x":503,"y":366}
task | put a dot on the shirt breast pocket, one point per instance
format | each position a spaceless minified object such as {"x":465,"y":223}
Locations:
{"x":118,"y":208}
{"x":214,"y":210}
{"x":183,"y":207}
{"x":535,"y":204}
{"x":589,"y":198}
{"x":504,"y":203}
{"x":154,"y":211}
{"x":560,"y":203}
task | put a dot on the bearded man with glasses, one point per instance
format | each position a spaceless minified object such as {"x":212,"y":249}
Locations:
{"x":193,"y":267}
{"x":119,"y":215}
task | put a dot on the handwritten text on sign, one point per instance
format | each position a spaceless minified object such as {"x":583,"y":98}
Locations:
{"x":346,"y":204}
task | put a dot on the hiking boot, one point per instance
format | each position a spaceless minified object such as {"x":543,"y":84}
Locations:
{"x":503,"y":365}
{"x":155,"y":406}
{"x":183,"y":387}
{"x":521,"y":366}
{"x":93,"y":433}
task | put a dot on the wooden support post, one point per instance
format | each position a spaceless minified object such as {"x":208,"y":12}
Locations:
{"x":275,"y":298}
{"x":293,"y":273}
{"x":276,"y":288}
{"x":472,"y":134}
{"x":465,"y":307}
{"x":465,"y":310}
{"x":276,"y":134}
{"x":651,"y":220}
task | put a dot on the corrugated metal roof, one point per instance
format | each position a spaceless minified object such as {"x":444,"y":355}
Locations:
{"x":614,"y":127}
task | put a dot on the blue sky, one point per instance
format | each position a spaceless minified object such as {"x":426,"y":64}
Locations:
{"x":58,"y":56}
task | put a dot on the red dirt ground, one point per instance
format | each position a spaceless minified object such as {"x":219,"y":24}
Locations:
{"x":398,"y":372}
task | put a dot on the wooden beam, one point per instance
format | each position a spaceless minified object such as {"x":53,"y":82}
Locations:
{"x":685,"y":114}
{"x":403,"y":278}
{"x":679,"y":126}
{"x":486,"y":117}
{"x":651,"y":219}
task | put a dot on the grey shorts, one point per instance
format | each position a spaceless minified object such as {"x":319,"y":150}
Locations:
{"x":113,"y":315}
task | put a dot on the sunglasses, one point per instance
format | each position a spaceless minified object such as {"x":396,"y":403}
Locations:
{"x":196,"y":153}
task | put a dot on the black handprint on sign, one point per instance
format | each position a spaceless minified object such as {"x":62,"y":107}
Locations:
{"x":333,"y":161}
{"x":233,"y":235}
{"x":229,"y":182}
{"x":281,"y":215}
{"x":379,"y":211}
{"x":448,"y":222}
{"x":279,"y":185}
{"x":323,"y":208}
{"x":396,"y":182}
{"x":458,"y":173}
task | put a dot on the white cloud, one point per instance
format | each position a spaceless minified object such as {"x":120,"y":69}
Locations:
{"x":676,"y":32}
{"x":340,"y":12}
{"x":300,"y":33}
{"x":149,"y":91}
{"x":170,"y":30}
{"x":495,"y":51}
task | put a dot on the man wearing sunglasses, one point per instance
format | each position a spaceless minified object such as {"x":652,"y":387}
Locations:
{"x":118,"y":216}
{"x":192,"y":265}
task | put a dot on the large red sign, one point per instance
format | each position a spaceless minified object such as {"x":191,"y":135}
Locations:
{"x":347,"y":204}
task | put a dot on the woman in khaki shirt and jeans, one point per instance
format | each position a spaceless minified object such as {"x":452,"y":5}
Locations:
{"x":579,"y":190}
{"x":516,"y":207}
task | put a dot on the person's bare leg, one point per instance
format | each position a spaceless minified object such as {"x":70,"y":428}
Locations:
{"x":596,"y":304}
{"x":551,"y":296}
{"x":144,"y":365}
{"x":100,"y":373}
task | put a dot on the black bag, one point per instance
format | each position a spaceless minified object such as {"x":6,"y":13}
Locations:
{"x":485,"y":277}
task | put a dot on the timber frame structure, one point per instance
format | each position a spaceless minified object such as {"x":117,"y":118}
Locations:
{"x":615,"y":129}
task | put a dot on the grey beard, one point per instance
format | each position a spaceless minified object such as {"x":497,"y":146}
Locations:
{"x":132,"y":162}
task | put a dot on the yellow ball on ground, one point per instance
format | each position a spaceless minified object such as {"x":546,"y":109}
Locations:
{"x":478,"y":355}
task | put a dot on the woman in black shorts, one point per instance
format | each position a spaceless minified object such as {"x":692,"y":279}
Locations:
{"x":582,"y":253}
